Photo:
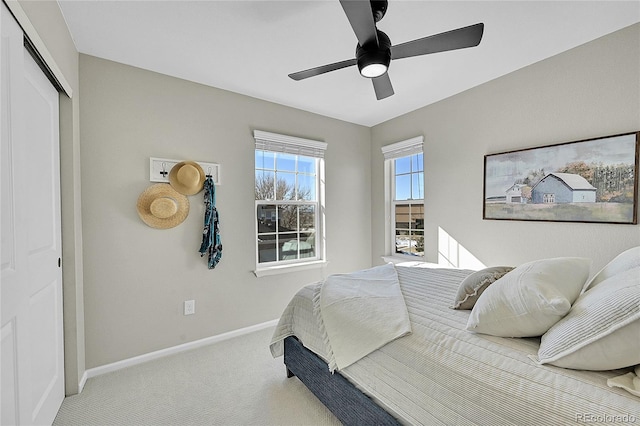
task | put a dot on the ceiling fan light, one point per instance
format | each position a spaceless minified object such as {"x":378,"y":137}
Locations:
{"x":373,"y":63}
{"x":374,"y":59}
{"x":373,"y":70}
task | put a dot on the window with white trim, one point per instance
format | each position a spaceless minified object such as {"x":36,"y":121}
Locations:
{"x":404,"y":171}
{"x":289,"y":193}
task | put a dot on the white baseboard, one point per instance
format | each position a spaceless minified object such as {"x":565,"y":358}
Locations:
{"x":108,"y":368}
{"x":83,"y":381}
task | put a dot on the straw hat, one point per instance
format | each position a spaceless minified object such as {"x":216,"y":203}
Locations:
{"x":160,"y":206}
{"x":187,"y":177}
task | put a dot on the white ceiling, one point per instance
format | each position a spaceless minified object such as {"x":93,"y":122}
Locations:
{"x":250,"y":47}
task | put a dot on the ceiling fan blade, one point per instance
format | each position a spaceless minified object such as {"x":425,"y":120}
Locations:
{"x":301,"y":75}
{"x":451,"y":40}
{"x":382,"y":86}
{"x":360,"y":17}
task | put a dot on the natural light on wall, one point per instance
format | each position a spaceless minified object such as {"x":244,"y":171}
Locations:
{"x":453,"y":254}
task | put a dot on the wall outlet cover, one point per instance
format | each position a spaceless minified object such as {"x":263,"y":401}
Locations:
{"x":189,"y":307}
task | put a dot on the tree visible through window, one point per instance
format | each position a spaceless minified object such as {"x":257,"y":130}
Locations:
{"x":286,"y":193}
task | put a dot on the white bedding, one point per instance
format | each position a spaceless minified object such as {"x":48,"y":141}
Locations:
{"x":442,"y":374}
{"x":360,"y":312}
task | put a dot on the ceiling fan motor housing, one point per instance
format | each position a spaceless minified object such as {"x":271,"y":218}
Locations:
{"x":374,"y":54}
{"x":379,"y":9}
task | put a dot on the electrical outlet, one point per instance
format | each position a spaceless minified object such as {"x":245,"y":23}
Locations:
{"x":189,"y":307}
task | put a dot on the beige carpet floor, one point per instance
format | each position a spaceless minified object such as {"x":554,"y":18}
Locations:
{"x":235,"y":382}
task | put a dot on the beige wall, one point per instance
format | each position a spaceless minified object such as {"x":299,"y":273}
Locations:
{"x":136,"y":277}
{"x":46,"y":18}
{"x":590,"y":91}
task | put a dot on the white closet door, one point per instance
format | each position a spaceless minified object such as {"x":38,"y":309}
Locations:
{"x":32,"y":362}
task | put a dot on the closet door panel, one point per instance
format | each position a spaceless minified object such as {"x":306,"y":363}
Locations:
{"x":32,"y":375}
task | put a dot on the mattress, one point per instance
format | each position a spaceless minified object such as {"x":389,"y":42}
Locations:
{"x":442,"y":374}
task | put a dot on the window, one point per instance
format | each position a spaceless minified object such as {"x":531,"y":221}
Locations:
{"x":404,"y":168}
{"x":288,"y":196}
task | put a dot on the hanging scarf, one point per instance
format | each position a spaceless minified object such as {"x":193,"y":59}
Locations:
{"x":211,"y":244}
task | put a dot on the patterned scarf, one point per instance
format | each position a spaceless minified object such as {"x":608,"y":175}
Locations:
{"x":211,"y":244}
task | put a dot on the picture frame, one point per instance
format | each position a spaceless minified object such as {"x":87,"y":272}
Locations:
{"x":589,"y":181}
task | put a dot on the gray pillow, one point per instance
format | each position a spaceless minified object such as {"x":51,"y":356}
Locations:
{"x":472,"y":287}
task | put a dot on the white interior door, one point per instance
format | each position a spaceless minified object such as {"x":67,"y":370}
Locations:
{"x":32,"y":362}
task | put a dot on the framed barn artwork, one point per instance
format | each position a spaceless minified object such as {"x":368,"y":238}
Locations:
{"x":592,"y":180}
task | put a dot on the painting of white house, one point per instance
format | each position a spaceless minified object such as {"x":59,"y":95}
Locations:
{"x":592,"y":180}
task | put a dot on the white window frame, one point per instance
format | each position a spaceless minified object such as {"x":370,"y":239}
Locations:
{"x":278,"y":143}
{"x":392,"y":152}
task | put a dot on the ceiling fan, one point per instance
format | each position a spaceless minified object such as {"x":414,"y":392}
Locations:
{"x":374,"y":51}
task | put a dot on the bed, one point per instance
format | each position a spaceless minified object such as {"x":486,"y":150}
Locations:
{"x":441,"y":373}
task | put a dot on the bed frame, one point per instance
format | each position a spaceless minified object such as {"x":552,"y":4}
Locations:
{"x":340,"y":396}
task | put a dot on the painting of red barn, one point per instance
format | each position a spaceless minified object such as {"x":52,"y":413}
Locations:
{"x":592,"y":180}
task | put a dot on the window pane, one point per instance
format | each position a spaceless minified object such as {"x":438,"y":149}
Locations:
{"x":266,"y":248}
{"x":265,"y":160}
{"x":307,"y":165}
{"x":402,"y":215}
{"x":403,"y":187}
{"x":412,"y":244}
{"x":307,"y":218}
{"x":417,"y":216}
{"x":264,"y":185}
{"x":417,"y":187}
{"x":287,"y":218}
{"x":307,"y":244}
{"x":417,"y":163}
{"x":286,"y":162}
{"x":286,"y":186}
{"x":266,"y":216}
{"x":403,"y":165}
{"x":417,"y":244}
{"x":306,"y":187}
{"x":288,"y":246}
{"x":402,"y":241}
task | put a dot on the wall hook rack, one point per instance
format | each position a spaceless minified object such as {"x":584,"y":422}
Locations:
{"x":159,"y":169}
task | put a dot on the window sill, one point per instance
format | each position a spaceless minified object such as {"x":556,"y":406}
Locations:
{"x":283,"y":269}
{"x":410,"y":261}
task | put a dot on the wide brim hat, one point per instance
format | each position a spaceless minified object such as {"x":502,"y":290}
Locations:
{"x":187,"y":177}
{"x":160,"y":206}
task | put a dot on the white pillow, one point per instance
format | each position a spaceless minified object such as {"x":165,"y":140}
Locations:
{"x":602,"y":330}
{"x":530,"y":299}
{"x":626,"y":260}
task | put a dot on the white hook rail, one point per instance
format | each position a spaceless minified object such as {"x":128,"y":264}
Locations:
{"x":159,"y":169}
